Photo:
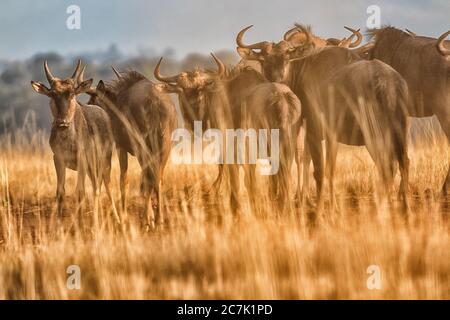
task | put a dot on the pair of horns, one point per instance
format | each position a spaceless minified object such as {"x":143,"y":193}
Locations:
{"x":347,"y":41}
{"x":173,"y":79}
{"x":77,"y":75}
{"x":264,"y":44}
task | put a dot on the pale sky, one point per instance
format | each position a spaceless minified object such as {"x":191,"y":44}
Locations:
{"x":29,"y":26}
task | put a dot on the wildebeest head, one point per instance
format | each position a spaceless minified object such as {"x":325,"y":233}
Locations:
{"x":100,"y":96}
{"x":103,"y":96}
{"x":63,"y":94}
{"x":274,"y":57}
{"x":192,"y":87}
{"x":297,"y":37}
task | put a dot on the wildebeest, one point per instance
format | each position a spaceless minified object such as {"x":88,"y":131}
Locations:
{"x":296,"y":37}
{"x":240,"y":98}
{"x":360,"y":104}
{"x":425,"y":65}
{"x":143,"y":118}
{"x":80,"y":138}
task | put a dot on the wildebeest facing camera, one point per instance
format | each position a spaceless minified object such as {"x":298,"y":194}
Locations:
{"x":206,"y":150}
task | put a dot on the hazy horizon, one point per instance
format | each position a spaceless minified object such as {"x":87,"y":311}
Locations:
{"x":30,"y":27}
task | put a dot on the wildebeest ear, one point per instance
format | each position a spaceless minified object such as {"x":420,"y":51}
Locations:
{"x":101,"y":86}
{"x":300,"y":52}
{"x":40,"y":88}
{"x":84,"y":86}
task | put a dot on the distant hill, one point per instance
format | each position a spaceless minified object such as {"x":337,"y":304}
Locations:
{"x":19,"y":104}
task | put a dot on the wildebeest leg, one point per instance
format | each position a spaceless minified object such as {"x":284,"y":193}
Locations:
{"x":156,"y":194}
{"x":306,"y":162}
{"x":284,"y":174}
{"x":315,"y":147}
{"x":123,"y":162}
{"x":165,"y":147}
{"x":96,"y":190}
{"x":446,"y":186}
{"x":150,"y":188}
{"x":403,"y":162}
{"x":234,"y":189}
{"x":60,"y":188}
{"x":445,"y":125}
{"x":250,"y":180}
{"x":383,"y":159}
{"x":147,"y":220}
{"x":159,"y":216}
{"x":401,"y":149}
{"x":303,"y":160}
{"x":80,"y":191}
{"x":332,"y":149}
{"x":107,"y":182}
{"x":216,"y":185}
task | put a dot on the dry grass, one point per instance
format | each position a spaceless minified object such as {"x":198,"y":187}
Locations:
{"x":203,"y":253}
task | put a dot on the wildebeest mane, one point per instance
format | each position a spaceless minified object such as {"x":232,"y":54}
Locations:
{"x":127,"y":80}
{"x":386,"y":31}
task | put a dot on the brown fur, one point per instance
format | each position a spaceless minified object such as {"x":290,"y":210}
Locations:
{"x":220,"y":103}
{"x":426,"y":71}
{"x":80,"y":139}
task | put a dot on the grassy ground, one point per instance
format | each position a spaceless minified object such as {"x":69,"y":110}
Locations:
{"x":203,"y":253}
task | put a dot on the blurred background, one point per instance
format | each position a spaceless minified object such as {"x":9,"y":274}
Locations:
{"x":135,"y":33}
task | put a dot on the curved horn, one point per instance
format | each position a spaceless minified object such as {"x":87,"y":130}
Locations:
{"x":240,"y":43}
{"x":220,"y":65}
{"x":158,"y":76}
{"x":356,"y":33}
{"x":412,"y":34}
{"x":77,"y":70}
{"x":117,"y":73}
{"x":440,"y":44}
{"x":290,"y":33}
{"x":48,"y":73}
{"x":346,"y":42}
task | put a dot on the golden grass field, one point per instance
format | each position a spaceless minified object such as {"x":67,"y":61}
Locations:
{"x":203,"y":253}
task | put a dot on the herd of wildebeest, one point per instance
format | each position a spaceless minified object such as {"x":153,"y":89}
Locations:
{"x":337,"y":91}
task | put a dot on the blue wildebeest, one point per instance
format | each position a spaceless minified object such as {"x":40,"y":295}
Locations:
{"x":241,"y":98}
{"x":143,"y":118}
{"x":80,"y":138}
{"x":296,"y":37}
